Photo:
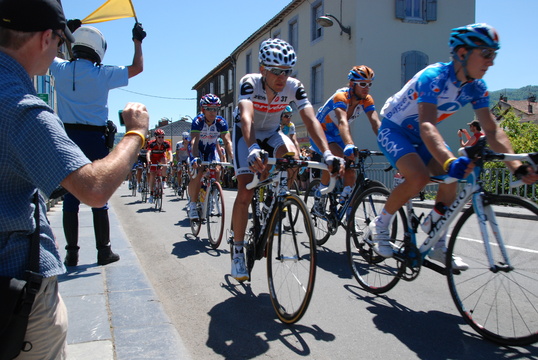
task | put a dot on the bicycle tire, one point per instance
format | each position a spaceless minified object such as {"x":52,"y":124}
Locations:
{"x":132,"y":183}
{"x":374,"y":273}
{"x":215,"y":215}
{"x":144,"y":185}
{"x":196,"y":224}
{"x":322,"y":230}
{"x":158,"y":194}
{"x":499,"y":305}
{"x":291,"y":260}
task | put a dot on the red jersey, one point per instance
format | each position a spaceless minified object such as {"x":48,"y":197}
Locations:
{"x":158,"y":151}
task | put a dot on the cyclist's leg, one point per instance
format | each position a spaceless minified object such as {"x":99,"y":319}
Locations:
{"x":239,"y":224}
{"x":282,"y":145}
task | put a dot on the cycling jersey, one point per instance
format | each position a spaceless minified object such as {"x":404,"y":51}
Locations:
{"x":209,"y":134}
{"x":267,"y":116}
{"x":183,"y":151}
{"x":158,"y":151}
{"x":288,"y":129}
{"x":341,"y":99}
{"x":437,"y":84}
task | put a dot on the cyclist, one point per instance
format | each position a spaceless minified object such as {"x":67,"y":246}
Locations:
{"x":206,"y":128}
{"x":344,"y":106}
{"x":159,"y":151}
{"x":288,"y":128}
{"x":183,"y":153}
{"x":262,"y":98}
{"x":411,"y":141}
{"x":140,"y":164}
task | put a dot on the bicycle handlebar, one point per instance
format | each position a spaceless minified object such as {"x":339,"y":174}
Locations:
{"x":296,"y":163}
{"x":210,"y":163}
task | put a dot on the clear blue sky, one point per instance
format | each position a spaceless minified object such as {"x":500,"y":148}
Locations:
{"x":186,"y":39}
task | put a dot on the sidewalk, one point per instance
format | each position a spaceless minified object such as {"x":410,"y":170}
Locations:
{"x":113,"y":310}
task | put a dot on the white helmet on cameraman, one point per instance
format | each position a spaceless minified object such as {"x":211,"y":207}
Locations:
{"x":89,"y":44}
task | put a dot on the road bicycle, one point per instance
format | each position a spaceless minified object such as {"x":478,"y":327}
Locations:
{"x":210,"y":204}
{"x":281,"y":230}
{"x":144,"y":188}
{"x":158,"y":187}
{"x":133,"y":182}
{"x":326,"y":222}
{"x":498,"y":294}
{"x":183,"y":182}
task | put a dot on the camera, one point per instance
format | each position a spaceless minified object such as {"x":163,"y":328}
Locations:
{"x":122,"y":123}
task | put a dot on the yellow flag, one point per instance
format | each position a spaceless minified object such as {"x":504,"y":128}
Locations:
{"x":111,"y":10}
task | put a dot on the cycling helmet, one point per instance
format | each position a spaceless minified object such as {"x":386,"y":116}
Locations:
{"x":209,"y":100}
{"x":159,"y":132}
{"x":186,"y":135}
{"x":221,"y":142}
{"x":89,"y":43}
{"x":288,"y":109}
{"x":468,"y":35}
{"x":361,"y":72}
{"x":276,"y":52}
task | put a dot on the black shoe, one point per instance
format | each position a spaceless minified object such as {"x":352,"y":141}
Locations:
{"x":106,"y":256}
{"x":71,"y":258}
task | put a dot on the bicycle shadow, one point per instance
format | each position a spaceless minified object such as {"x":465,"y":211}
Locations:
{"x":434,"y":335}
{"x":194,"y":246}
{"x":244,"y":325}
{"x":334,"y":262}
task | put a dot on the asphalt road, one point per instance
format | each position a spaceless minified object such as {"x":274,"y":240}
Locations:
{"x":220,"y":318}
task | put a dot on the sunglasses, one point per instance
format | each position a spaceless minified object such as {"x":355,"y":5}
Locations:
{"x":279,"y":71}
{"x":487,"y":53}
{"x":363,"y":84}
{"x":215,"y":109}
{"x":286,"y":116}
{"x":62,"y":39}
{"x":160,"y":137}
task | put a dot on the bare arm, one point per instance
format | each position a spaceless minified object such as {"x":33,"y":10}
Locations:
{"x":343,"y":126}
{"x":228,"y":145}
{"x":138,"y":60}
{"x":94,"y":183}
{"x":375,"y":123}
{"x":427,"y":115}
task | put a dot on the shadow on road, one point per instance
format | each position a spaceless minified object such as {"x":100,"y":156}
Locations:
{"x":243,"y":326}
{"x":334,"y":262}
{"x":434,"y":335}
{"x":195,"y":245}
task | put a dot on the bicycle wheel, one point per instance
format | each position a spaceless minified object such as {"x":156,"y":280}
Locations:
{"x":132,"y":183}
{"x":196,"y":224}
{"x":215,"y":215}
{"x":323,"y":228}
{"x":144,"y":192}
{"x":291,"y":260}
{"x":500,"y":303}
{"x":158,"y":194}
{"x":374,"y":273}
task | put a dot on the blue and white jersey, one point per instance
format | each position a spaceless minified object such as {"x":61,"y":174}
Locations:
{"x":209,"y":134}
{"x":436,"y":84}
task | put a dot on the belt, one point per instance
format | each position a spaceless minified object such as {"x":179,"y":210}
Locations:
{"x":84,"y":127}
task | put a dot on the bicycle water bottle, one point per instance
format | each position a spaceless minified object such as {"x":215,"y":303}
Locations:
{"x":345,"y":194}
{"x":203,"y":191}
{"x":398,"y":179}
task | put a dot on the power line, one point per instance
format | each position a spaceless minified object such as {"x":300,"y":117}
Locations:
{"x":155,"y":96}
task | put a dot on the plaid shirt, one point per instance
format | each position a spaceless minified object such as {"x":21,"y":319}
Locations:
{"x":35,"y":153}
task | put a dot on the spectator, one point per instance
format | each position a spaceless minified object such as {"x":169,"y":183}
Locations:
{"x":30,"y":33}
{"x":475,"y":128}
{"x":82,"y":85}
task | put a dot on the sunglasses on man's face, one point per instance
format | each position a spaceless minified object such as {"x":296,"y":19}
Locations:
{"x":488,"y":53}
{"x":211,"y":109}
{"x":62,"y":39}
{"x":363,"y":84}
{"x":286,"y":116}
{"x":279,"y":71}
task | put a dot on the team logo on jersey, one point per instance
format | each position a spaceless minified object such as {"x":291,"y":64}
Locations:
{"x":247,"y":88}
{"x":412,"y":94}
{"x":301,"y":94}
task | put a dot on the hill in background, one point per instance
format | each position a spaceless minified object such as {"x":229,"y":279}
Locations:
{"x":514,"y":94}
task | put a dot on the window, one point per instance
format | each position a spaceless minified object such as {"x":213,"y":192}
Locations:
{"x":248,"y":65}
{"x":416,"y":11}
{"x":222,"y":85}
{"x":317,"y":11}
{"x":212,"y":87}
{"x":412,"y":63}
{"x":230,"y":79}
{"x":317,"y":86}
{"x":293,"y":29}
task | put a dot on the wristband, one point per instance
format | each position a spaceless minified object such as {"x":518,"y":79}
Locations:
{"x":134,"y":132}
{"x":447,"y":163}
{"x":326,"y":154}
{"x":254,"y":146}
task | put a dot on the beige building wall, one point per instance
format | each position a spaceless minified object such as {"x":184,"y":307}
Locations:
{"x":378,"y":39}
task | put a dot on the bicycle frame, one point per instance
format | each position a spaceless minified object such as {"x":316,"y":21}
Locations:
{"x":208,"y":178}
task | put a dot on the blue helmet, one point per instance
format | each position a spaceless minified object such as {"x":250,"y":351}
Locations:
{"x":210,"y":100}
{"x":468,"y":35}
{"x":288,"y":109}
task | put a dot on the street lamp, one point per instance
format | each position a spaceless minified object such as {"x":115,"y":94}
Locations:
{"x":186,"y":118}
{"x":325,"y":21}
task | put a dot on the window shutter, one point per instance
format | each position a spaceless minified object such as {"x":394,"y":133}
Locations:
{"x":431,"y":10}
{"x":400,"y":9}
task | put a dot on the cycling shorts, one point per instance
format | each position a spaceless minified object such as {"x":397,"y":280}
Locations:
{"x":395,"y":142}
{"x":269,"y":144}
{"x":330,"y":139}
